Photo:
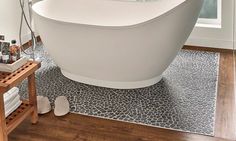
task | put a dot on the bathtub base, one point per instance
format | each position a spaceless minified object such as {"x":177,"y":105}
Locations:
{"x":112,"y":84}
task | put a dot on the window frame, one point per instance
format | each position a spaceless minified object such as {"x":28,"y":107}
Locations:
{"x":214,"y":23}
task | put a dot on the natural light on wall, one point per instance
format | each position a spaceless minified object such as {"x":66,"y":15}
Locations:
{"x":210,"y":15}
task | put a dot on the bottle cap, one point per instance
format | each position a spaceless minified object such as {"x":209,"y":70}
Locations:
{"x":13,"y":41}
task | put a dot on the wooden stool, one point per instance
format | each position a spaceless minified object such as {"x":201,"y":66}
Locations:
{"x":28,"y":107}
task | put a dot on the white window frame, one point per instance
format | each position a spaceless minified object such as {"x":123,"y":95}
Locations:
{"x":212,"y":23}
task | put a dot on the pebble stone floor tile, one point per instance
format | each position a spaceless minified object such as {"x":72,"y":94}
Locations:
{"x":184,"y":100}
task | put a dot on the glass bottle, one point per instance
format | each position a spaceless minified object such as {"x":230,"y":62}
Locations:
{"x":5,"y":52}
{"x":14,"y":52}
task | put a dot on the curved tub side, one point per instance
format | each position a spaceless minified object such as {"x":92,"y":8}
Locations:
{"x":104,"y":13}
{"x":123,"y":58}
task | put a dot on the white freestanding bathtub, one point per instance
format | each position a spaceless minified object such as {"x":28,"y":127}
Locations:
{"x":116,"y":44}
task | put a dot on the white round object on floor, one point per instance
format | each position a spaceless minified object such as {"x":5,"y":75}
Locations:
{"x":43,"y":105}
{"x":62,"y":106}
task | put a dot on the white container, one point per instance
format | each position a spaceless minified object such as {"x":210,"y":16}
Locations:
{"x":14,"y":66}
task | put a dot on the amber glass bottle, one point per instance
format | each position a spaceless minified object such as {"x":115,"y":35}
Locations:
{"x":14,"y":52}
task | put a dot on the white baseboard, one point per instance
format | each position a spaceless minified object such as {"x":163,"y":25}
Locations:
{"x":213,"y":43}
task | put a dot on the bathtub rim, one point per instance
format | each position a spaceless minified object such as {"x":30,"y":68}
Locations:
{"x":112,"y":84}
{"x":113,"y":27}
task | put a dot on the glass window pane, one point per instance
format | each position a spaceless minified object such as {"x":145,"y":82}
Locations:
{"x":209,"y":9}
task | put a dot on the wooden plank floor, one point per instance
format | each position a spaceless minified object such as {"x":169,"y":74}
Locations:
{"x":225,"y":125}
{"x":84,"y":128}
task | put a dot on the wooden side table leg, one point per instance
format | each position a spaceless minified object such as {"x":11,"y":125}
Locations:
{"x":33,"y":97}
{"x":3,"y":128}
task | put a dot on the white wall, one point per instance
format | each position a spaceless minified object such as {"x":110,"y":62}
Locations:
{"x":10,"y":20}
{"x":216,"y":37}
{"x":235,"y":28}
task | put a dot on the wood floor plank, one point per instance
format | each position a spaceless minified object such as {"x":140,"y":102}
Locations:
{"x":84,"y":128}
{"x":225,"y":126}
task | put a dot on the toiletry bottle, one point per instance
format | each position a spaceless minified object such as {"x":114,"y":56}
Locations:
{"x":18,"y":51}
{"x":14,"y":52}
{"x":2,"y":38}
{"x":1,"y":52}
{"x":5,"y":52}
